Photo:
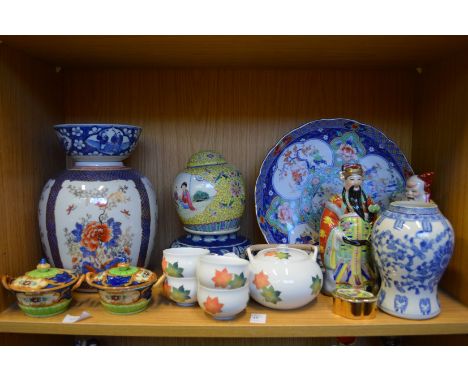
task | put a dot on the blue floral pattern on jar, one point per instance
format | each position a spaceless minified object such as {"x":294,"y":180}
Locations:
{"x":400,"y":303}
{"x":425,"y":306}
{"x":381,"y":296}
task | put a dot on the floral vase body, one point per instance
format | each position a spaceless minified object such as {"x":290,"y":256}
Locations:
{"x":210,"y":199}
{"x":412,"y":243}
{"x":99,"y":211}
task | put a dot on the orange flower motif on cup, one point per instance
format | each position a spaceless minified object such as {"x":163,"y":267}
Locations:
{"x":94,"y":234}
{"x":280,"y":255}
{"x":222,"y":278}
{"x":166,"y":288}
{"x":164,"y":264}
{"x":213,"y":306}
{"x":261,"y":280}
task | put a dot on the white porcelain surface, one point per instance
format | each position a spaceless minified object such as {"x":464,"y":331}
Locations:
{"x":225,"y":272}
{"x":181,"y":290}
{"x":182,"y":262}
{"x":285,"y":282}
{"x":95,"y":221}
{"x":223,"y":304}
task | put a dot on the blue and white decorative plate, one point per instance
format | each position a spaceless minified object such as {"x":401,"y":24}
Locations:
{"x":302,"y":171}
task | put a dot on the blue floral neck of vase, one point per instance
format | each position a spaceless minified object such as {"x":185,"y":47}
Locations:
{"x":97,"y":164}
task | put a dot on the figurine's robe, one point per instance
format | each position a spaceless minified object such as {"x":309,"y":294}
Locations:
{"x":350,"y":264}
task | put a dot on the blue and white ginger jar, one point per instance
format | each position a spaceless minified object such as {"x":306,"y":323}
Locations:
{"x":413,"y":243}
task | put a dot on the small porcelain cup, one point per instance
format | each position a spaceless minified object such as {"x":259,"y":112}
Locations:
{"x":225,"y":272}
{"x":181,"y":262}
{"x":181,"y":290}
{"x":223,"y":304}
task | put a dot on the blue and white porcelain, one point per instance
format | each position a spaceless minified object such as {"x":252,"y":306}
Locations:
{"x":102,"y":142}
{"x":301,"y":172}
{"x":219,"y":244}
{"x":98,"y":212}
{"x":413,"y":243}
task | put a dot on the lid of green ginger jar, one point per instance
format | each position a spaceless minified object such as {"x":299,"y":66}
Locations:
{"x":123,"y":275}
{"x":43,"y":278}
{"x":205,"y":158}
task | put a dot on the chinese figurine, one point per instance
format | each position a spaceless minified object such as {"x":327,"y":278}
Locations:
{"x":345,"y":228}
{"x":418,"y":187}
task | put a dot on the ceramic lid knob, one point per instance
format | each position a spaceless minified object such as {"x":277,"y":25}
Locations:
{"x":43,"y":265}
{"x":123,"y":264}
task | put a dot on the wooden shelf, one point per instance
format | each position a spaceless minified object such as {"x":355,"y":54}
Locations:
{"x":237,"y":95}
{"x":239,"y":51}
{"x":165,"y":319}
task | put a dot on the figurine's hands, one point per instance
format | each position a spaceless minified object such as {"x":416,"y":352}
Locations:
{"x":339,"y":234}
{"x":374,"y":208}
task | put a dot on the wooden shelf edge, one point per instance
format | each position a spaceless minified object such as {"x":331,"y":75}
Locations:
{"x":211,"y":332}
{"x":164,"y":319}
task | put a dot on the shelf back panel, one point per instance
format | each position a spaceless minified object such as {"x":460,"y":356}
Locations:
{"x":31,"y":101}
{"x":240,"y":113}
{"x":440,"y":144}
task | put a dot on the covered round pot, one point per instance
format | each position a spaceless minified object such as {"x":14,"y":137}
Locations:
{"x":209,"y":195}
{"x":45,"y":291}
{"x":413,"y":243}
{"x":125,"y":289}
{"x":284,"y":277}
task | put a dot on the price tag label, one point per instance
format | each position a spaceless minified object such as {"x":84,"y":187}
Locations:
{"x":72,"y":319}
{"x":258,"y":318}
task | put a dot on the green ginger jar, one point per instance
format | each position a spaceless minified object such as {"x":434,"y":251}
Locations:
{"x":209,"y":195}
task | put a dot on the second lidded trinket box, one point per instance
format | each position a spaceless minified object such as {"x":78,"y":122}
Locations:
{"x":124,"y":289}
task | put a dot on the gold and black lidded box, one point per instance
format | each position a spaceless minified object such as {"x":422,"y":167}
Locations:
{"x":355,"y":304}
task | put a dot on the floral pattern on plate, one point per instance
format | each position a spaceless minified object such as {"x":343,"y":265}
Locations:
{"x":301,"y":173}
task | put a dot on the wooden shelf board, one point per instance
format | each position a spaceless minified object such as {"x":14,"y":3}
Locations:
{"x":235,"y":51}
{"x":165,"y":319}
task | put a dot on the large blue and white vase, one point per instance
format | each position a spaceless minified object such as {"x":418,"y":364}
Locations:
{"x":99,"y":211}
{"x":412,"y":243}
